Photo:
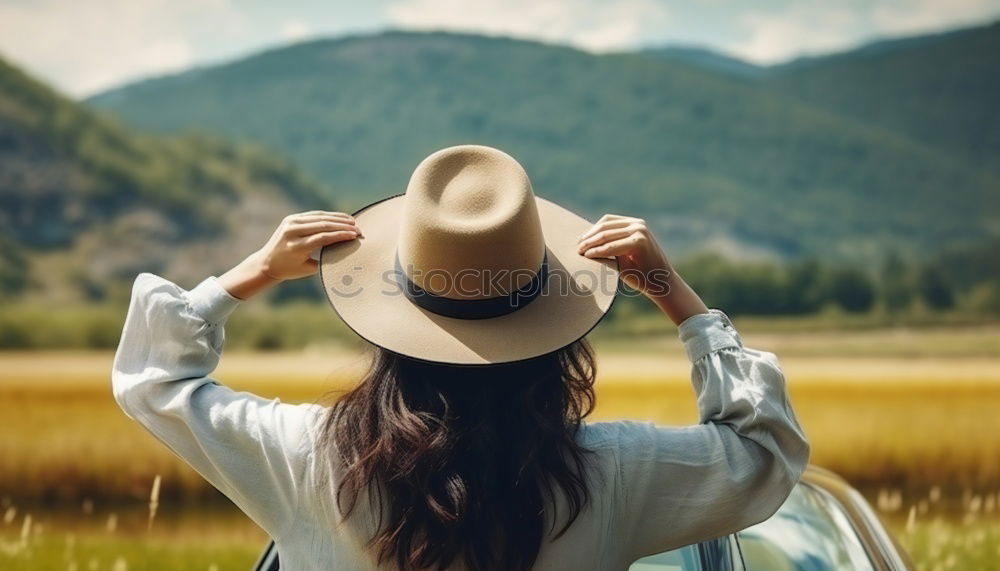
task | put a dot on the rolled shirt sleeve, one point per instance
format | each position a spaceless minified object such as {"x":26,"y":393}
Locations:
{"x":256,"y":451}
{"x":683,"y":485}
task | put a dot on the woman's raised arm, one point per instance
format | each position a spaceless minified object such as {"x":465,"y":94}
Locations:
{"x":254,"y":450}
{"x":682,"y":485}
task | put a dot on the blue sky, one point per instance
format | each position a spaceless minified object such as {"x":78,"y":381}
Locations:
{"x":85,"y":46}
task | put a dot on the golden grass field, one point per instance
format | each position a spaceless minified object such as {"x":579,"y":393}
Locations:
{"x":896,"y":418}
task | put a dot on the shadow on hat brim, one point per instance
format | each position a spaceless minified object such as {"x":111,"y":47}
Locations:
{"x":358,"y":281}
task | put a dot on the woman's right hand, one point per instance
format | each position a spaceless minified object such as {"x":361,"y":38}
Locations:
{"x":285,"y":256}
{"x":641,"y":260}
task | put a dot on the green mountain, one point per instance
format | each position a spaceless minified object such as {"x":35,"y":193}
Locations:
{"x":707,"y":59}
{"x":941,"y":90}
{"x":938,"y":89}
{"x":713,"y":161}
{"x":85,"y":204}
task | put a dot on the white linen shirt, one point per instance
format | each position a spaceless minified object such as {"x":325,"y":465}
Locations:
{"x":665,"y":487}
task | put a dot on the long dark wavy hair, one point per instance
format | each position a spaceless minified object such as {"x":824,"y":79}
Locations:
{"x":461,"y":462}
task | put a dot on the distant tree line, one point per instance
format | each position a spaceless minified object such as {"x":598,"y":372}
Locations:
{"x":959,"y":282}
{"x":957,"y":279}
{"x":965,"y":278}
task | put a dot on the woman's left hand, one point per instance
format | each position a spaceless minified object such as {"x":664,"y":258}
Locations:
{"x":285,"y":256}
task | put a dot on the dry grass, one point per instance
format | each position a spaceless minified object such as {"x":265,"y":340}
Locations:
{"x":963,"y":533}
{"x":905,"y":428}
{"x":910,"y":434}
{"x":86,"y":538}
{"x":880,"y":421}
{"x":939,"y":535}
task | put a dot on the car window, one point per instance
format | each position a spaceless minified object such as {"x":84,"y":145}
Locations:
{"x":714,"y":555}
{"x":810,"y":532}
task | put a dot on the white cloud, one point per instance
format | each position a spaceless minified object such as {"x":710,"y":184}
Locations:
{"x":916,"y":16}
{"x":814,"y":26}
{"x":596,"y":25}
{"x":84,"y":47}
{"x":804,"y":27}
{"x":296,"y":30}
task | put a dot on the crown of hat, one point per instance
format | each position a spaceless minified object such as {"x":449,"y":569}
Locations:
{"x":470,"y":224}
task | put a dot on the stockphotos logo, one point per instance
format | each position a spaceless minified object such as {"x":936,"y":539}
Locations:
{"x":484,"y":284}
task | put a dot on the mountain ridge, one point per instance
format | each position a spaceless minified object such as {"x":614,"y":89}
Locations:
{"x":85,"y":204}
{"x":706,"y":58}
{"x":939,"y":90}
{"x":712,"y":159}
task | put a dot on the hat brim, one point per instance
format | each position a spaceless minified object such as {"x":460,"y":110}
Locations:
{"x":357,"y":277}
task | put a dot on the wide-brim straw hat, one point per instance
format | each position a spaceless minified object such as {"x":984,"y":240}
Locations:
{"x":468,"y":266}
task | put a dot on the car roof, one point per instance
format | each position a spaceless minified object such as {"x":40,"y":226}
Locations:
{"x":824,"y":478}
{"x":870,"y":528}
